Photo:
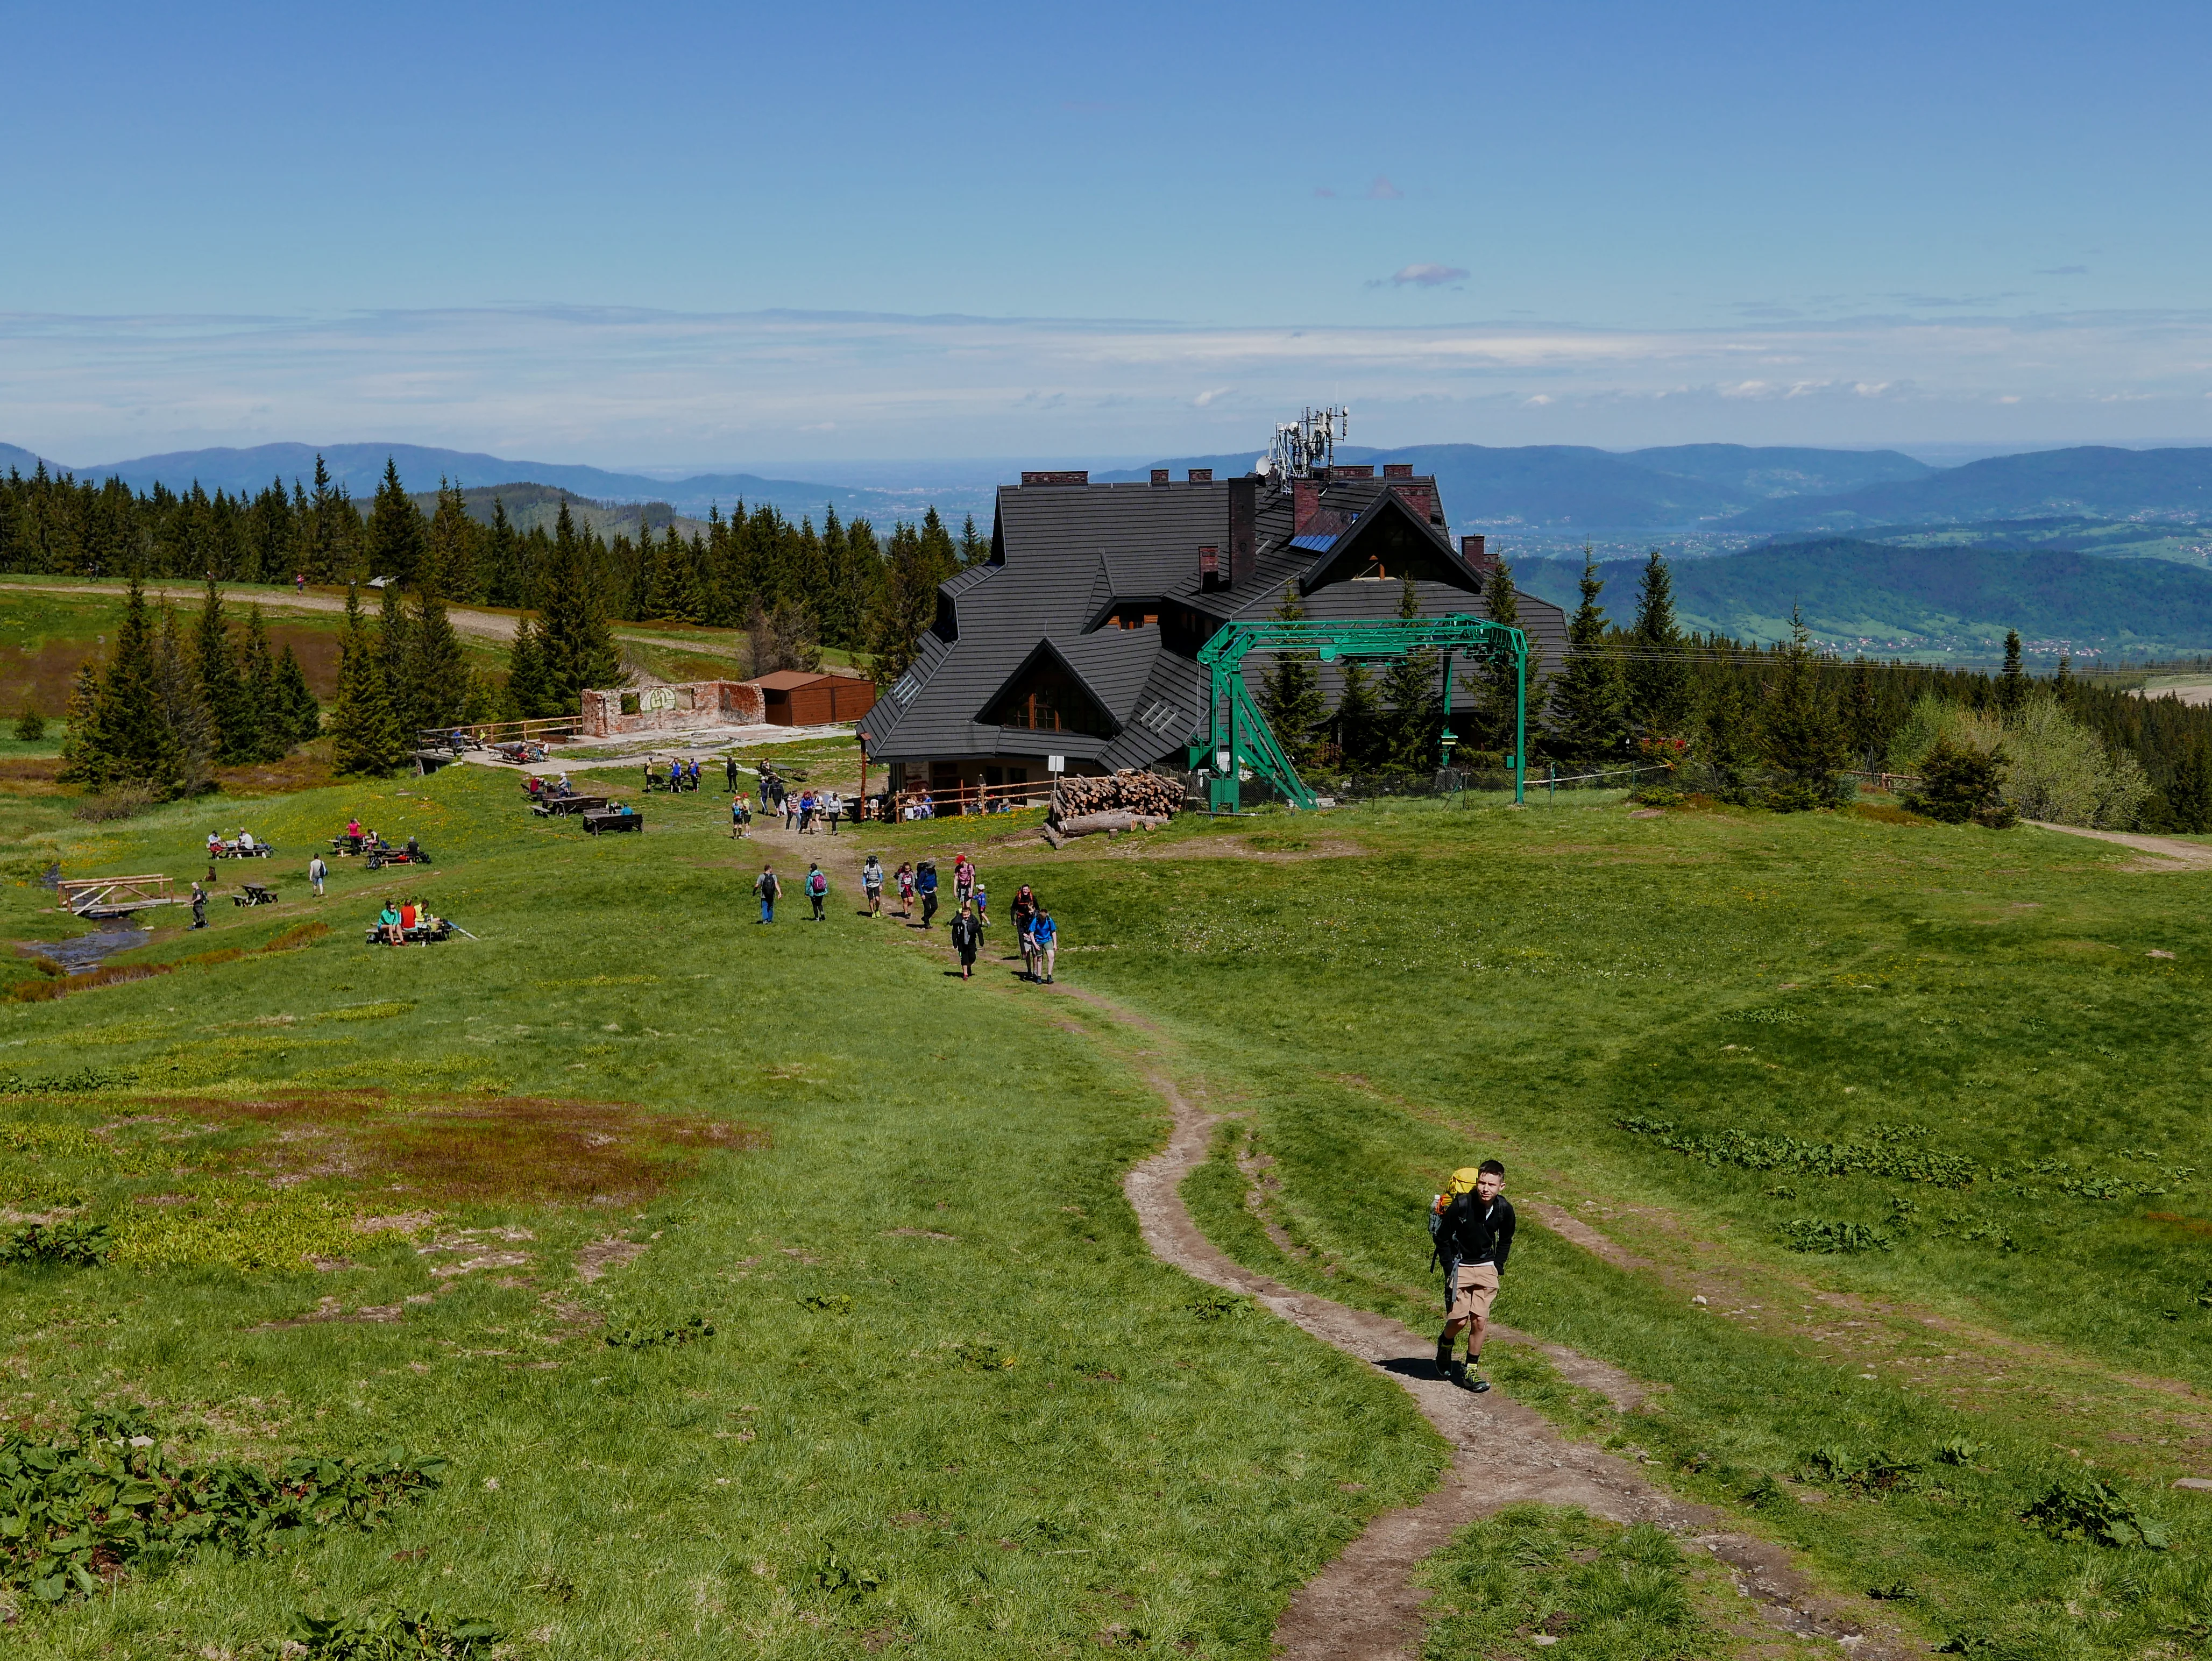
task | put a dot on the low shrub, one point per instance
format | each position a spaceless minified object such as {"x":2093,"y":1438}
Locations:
{"x":30,"y":725}
{"x":116,"y":1500}
{"x":1960,"y":785}
{"x":1828,"y":1235}
{"x":76,"y":1243}
{"x":1658,"y":796}
{"x":2076,"y":1509}
{"x":124,"y":802}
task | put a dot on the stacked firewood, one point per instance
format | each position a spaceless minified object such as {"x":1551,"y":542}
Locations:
{"x":1128,"y":800}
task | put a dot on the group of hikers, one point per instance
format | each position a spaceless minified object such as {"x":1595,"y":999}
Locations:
{"x":682,"y":774}
{"x":801,"y":810}
{"x":1038,"y":935}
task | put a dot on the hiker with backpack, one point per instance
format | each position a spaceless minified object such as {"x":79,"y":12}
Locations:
{"x":967,"y":937}
{"x":906,"y":888}
{"x":1025,"y":909}
{"x":1472,"y":1227}
{"x":871,"y":884}
{"x":818,"y":888}
{"x":1044,"y":933}
{"x":768,"y":888}
{"x":925,"y":880}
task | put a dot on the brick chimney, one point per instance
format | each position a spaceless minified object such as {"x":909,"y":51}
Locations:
{"x":1305,"y":502}
{"x":1350,"y":472}
{"x":1243,"y":530}
{"x":1201,"y":476}
{"x":1159,"y":476}
{"x":1397,"y":470}
{"x":1476,"y":552}
{"x":1209,"y":567}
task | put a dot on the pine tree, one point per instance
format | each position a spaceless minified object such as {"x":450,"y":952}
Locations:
{"x":2064,"y":684}
{"x":1732,"y":742}
{"x":123,"y":740}
{"x":189,"y":734}
{"x":1863,"y":731}
{"x":974,"y":548}
{"x":1803,"y":740}
{"x":861,"y":585}
{"x":393,"y":647}
{"x":505,"y":582}
{"x":1493,"y":687}
{"x":395,"y":531}
{"x":435,"y":688}
{"x":907,"y":608}
{"x":576,"y":644}
{"x":2012,"y":684}
{"x":1357,"y":723}
{"x":2189,"y":793}
{"x":450,"y":547}
{"x":528,"y":692}
{"x":296,"y":700}
{"x":1410,"y":730}
{"x":365,"y":732}
{"x":1589,"y":703}
{"x":80,"y":741}
{"x":1290,"y":692}
{"x":270,"y":722}
{"x":1659,"y":699}
{"x":937,"y":547}
{"x":687,"y":591}
{"x":221,"y":687}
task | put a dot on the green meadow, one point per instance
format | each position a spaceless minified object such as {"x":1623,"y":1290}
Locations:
{"x":1875,"y":1149}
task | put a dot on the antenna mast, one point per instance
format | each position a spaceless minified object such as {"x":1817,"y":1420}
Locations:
{"x":1308,"y":445}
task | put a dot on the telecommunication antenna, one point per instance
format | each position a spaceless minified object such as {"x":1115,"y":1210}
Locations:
{"x":1308,"y":444}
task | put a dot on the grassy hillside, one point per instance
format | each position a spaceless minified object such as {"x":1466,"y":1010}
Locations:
{"x":1881,"y":598}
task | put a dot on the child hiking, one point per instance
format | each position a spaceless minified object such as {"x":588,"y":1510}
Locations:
{"x":967,"y":937}
{"x":1471,"y":1224}
{"x":906,"y":888}
{"x":818,"y":888}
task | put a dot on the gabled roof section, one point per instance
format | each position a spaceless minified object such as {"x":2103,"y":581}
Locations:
{"x":1387,"y":516}
{"x":1046,"y":652}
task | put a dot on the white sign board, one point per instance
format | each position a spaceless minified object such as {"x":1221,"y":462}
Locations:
{"x":1055,"y":764}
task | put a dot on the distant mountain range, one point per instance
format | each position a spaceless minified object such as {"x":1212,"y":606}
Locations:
{"x":1910,"y":600}
{"x":2091,"y":482}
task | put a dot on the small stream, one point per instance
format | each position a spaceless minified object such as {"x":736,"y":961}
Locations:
{"x":87,"y":951}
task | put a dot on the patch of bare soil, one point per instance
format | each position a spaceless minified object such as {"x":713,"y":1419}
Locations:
{"x":594,"y":1260}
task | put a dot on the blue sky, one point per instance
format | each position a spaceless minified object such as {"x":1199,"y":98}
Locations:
{"x":679,"y":234}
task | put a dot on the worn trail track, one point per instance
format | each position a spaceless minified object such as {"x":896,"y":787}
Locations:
{"x":1364,"y":1605}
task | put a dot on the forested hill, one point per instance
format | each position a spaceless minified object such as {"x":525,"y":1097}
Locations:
{"x":1896,"y":599}
{"x":2090,"y":479}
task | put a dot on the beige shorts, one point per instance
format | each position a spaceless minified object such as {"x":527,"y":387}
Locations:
{"x":1470,"y":1291}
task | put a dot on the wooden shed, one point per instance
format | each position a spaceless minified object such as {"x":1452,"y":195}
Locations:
{"x":804,"y":698}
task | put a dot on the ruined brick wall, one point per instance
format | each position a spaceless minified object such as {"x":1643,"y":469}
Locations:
{"x":672,"y":708}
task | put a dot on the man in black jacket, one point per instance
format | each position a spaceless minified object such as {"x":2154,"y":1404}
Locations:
{"x":1474,"y":1236}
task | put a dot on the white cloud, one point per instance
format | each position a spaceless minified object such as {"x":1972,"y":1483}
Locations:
{"x":628,"y":387}
{"x":1428,"y":277}
{"x":1383,"y":190}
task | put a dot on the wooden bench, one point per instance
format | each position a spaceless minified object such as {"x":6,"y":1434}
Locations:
{"x":597,"y":820}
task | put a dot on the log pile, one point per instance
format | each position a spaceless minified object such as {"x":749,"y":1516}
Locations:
{"x":1128,"y":800}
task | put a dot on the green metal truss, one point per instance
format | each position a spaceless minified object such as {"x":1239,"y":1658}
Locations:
{"x":1239,"y":735}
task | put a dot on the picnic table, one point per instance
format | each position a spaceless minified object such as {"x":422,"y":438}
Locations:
{"x":612,"y":819}
{"x":558,"y":807}
{"x":224,"y":849}
{"x":256,"y":893}
{"x":422,"y":934}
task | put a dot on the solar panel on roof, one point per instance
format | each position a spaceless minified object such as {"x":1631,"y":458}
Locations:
{"x":1319,"y":544}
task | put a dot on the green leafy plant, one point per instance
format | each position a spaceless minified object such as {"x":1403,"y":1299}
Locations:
{"x":1877,"y":1473}
{"x":1879,"y":1155}
{"x":841,"y":1581}
{"x":1221,"y":1305}
{"x":827,"y":1303}
{"x":76,"y":1243}
{"x":691,"y":1333}
{"x":70,"y":1516}
{"x":2078,"y":1509}
{"x":1959,"y":1451}
{"x":392,"y":1634}
{"x":1830,"y":1235}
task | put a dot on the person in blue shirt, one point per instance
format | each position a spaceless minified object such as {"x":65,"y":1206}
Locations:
{"x":1046,"y":933}
{"x":925,"y":882}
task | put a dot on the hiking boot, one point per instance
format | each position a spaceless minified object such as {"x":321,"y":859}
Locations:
{"x":1444,"y":1357}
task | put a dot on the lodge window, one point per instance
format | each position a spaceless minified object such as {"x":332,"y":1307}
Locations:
{"x":1048,"y":700}
{"x":1134,"y":617}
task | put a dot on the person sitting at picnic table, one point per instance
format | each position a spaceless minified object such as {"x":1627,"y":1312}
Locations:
{"x":406,"y":915}
{"x":388,"y":924}
{"x":534,"y":784}
{"x":215,"y":844}
{"x":353,"y":829}
{"x":414,"y":850}
{"x":562,"y":787}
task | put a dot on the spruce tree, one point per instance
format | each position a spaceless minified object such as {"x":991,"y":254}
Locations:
{"x":577,"y":646}
{"x":907,"y":608}
{"x":393,"y":628}
{"x":937,"y":547}
{"x":1493,"y":685}
{"x":528,"y":693}
{"x":80,"y":741}
{"x":189,"y":733}
{"x":1732,"y":746}
{"x":1804,"y":743}
{"x":1659,"y":700}
{"x":974,"y":547}
{"x":2012,"y":684}
{"x":2064,"y":686}
{"x":1590,"y":702}
{"x":270,"y":722}
{"x":2189,"y":793}
{"x":687,"y":599}
{"x":861,"y":583}
{"x":1357,"y":723}
{"x":450,"y":547}
{"x":1290,"y":692}
{"x":505,"y":583}
{"x":365,"y":732}
{"x":222,"y":689}
{"x":434,"y":689}
{"x":125,"y":740}
{"x":1863,"y":731}
{"x":1410,"y":730}
{"x":296,"y":700}
{"x":395,"y":531}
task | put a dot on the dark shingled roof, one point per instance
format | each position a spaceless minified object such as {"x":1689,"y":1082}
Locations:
{"x":1066,"y":556}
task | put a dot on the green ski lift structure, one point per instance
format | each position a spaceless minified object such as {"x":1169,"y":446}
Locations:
{"x":1239,"y":735}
